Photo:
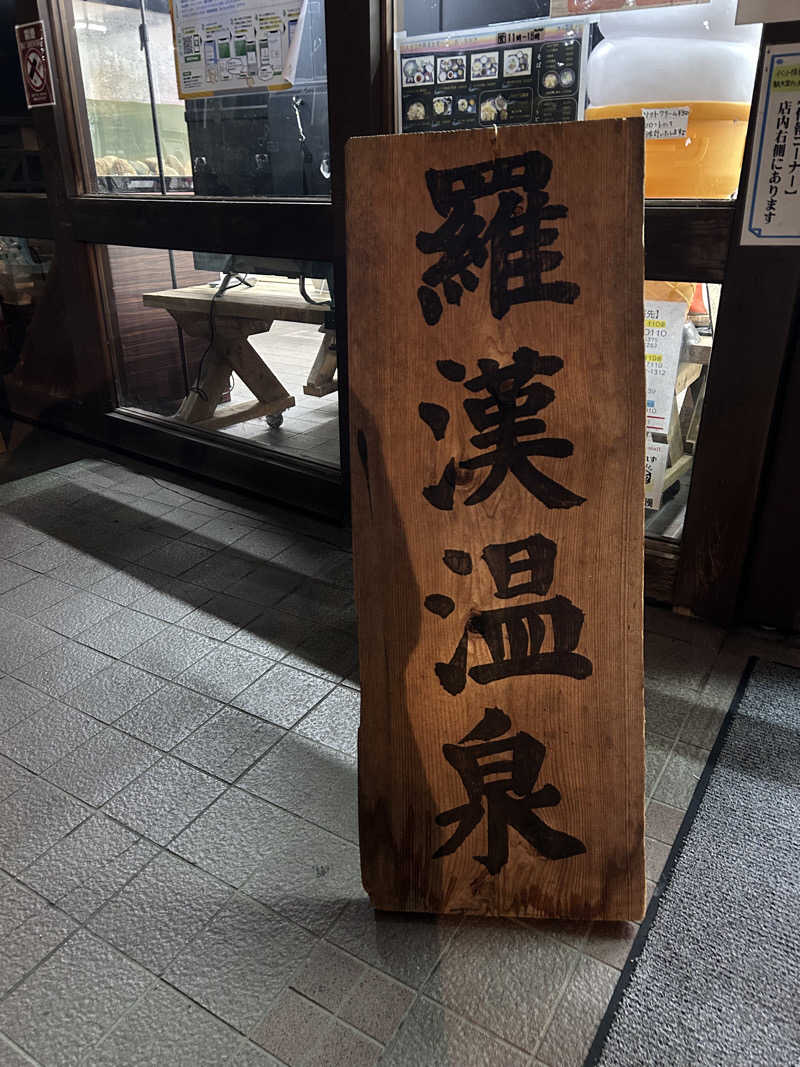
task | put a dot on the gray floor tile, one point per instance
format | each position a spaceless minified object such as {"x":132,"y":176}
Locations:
{"x":283,"y":695}
{"x":18,"y":701}
{"x":665,"y":713}
{"x":225,"y":672}
{"x":231,"y":839}
{"x":229,"y":743}
{"x":377,"y":1005}
{"x":176,"y":522}
{"x":221,"y":571}
{"x":78,"y":857}
{"x":611,"y":942}
{"x":273,"y":634}
{"x":46,"y":736}
{"x":133,"y":545}
{"x":22,"y":641}
{"x":12,"y":777}
{"x":267,"y":585}
{"x":328,"y":604}
{"x":250,"y":1055}
{"x":83,"y":572}
{"x":329,"y":976}
{"x":121,"y":632}
{"x":165,"y":1029}
{"x":11,"y":574}
{"x":164,"y":800}
{"x":175,"y":558}
{"x":219,"y":532}
{"x":221,"y":617}
{"x":30,"y":943}
{"x":168,"y":716}
{"x":159,"y":911}
{"x":578,"y":1015}
{"x":111,"y":692}
{"x":32,"y":819}
{"x":174,"y":601}
{"x":102,"y":766}
{"x":431,"y":1035}
{"x":657,"y":752}
{"x":674,"y":666}
{"x":327,"y":653}
{"x":334,"y":721}
{"x":107,"y":880}
{"x":78,"y":612}
{"x":663,"y":821}
{"x":128,"y":585}
{"x":311,"y":780}
{"x":40,"y":593}
{"x":240,"y":963}
{"x":171,"y":652}
{"x":702,"y":726}
{"x":263,"y":544}
{"x":504,"y":977}
{"x":402,"y":945}
{"x":17,"y":905}
{"x":655,"y":856}
{"x":75,"y":996}
{"x":341,"y":1044}
{"x":306,"y":874}
{"x":308,"y":556}
{"x":17,"y":537}
{"x":46,"y":555}
{"x":680,"y":776}
{"x":292,"y":1027}
{"x":58,"y":671}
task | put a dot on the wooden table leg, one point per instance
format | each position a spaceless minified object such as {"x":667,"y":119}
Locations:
{"x":320,"y":377}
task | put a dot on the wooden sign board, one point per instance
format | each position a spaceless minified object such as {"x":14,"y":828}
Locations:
{"x":495,"y":284}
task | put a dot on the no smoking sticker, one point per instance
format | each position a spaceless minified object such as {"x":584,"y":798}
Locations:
{"x":35,"y":64}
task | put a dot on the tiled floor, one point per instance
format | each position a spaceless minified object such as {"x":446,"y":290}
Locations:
{"x":310,"y":429}
{"x":178,"y":713}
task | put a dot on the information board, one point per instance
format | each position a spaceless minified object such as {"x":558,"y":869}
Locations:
{"x":35,"y":64}
{"x":497,"y":439}
{"x":772,"y":206}
{"x":663,"y":335}
{"x":224,"y":46}
{"x":531,"y":73}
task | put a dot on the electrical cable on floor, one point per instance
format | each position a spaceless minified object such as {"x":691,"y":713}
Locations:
{"x":307,"y":298}
{"x":196,"y":388}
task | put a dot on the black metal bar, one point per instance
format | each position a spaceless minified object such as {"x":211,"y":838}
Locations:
{"x":295,"y":229}
{"x":145,"y":44}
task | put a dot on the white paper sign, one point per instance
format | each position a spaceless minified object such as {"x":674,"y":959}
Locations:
{"x":655,"y":466}
{"x":772,"y":205}
{"x":226,"y":46}
{"x":663,"y":333}
{"x":662,"y":123}
{"x":766,"y":11}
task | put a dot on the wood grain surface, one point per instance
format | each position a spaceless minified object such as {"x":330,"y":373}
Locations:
{"x":560,"y":714}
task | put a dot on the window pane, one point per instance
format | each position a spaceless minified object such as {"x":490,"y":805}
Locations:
{"x":177,"y":327}
{"x":684,"y":65}
{"x":24,"y":265}
{"x":679,"y":333}
{"x":20,"y":165}
{"x":228,"y":136}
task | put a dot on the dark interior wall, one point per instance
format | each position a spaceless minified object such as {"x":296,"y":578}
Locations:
{"x":12,"y":95}
{"x":431,"y":16}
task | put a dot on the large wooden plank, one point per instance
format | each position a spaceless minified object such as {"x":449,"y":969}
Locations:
{"x":459,"y":613}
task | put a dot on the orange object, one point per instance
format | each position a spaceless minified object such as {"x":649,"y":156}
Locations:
{"x":698,"y":305}
{"x":705,"y":163}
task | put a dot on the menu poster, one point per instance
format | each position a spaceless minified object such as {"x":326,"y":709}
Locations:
{"x":224,"y":46}
{"x":499,"y":78}
{"x":655,"y":466}
{"x":663,"y":335}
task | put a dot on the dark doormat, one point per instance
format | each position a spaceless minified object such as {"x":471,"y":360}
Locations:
{"x":714,"y":975}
